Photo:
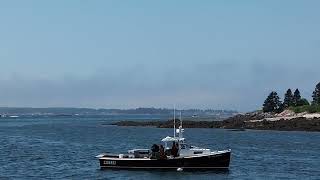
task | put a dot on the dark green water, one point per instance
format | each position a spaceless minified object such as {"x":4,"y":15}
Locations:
{"x":64,"y":148}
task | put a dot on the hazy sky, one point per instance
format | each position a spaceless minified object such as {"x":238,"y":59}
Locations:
{"x":126,"y":54}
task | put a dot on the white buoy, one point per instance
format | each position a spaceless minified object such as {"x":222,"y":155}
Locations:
{"x":179,"y":169}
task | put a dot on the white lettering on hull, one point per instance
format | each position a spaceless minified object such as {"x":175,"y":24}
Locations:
{"x":110,"y":162}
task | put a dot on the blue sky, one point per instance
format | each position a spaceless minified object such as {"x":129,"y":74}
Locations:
{"x":126,"y":54}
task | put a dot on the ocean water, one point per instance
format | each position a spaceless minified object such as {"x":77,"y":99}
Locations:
{"x":65,"y":148}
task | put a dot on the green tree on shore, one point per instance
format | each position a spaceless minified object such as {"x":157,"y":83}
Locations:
{"x":272,"y":103}
{"x":296,"y":97}
{"x":303,"y":102}
{"x":316,"y":95}
{"x":288,"y":99}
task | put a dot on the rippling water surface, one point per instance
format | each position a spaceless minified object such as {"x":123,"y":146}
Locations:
{"x":64,"y":148}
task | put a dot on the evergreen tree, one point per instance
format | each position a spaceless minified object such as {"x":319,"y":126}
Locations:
{"x":288,"y":99}
{"x":303,"y":102}
{"x":296,"y":97}
{"x":316,"y":95}
{"x":272,"y":103}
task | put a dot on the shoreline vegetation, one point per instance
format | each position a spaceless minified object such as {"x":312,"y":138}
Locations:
{"x":293,"y":114}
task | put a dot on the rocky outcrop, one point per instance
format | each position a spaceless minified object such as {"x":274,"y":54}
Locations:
{"x":253,"y":120}
{"x":296,"y":124}
{"x":169,"y":124}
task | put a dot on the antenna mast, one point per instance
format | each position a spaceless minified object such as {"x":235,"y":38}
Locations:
{"x":180,"y":127}
{"x":174,"y":120}
{"x":180,"y":120}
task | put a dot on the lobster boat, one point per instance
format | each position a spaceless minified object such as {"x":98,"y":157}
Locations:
{"x":173,"y":153}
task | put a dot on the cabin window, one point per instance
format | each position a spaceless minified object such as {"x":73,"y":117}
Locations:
{"x":197,"y":152}
{"x":183,"y":146}
{"x":143,"y":152}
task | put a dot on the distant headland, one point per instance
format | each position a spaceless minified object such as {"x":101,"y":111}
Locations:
{"x":293,"y":114}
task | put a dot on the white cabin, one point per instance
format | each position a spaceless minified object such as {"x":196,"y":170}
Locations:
{"x":184,"y":149}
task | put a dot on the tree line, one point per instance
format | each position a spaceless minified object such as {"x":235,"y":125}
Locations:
{"x":291,"y":100}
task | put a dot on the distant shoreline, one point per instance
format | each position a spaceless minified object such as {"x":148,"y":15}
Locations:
{"x":65,"y":111}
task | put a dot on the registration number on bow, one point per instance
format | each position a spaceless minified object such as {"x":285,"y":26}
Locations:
{"x":110,"y":162}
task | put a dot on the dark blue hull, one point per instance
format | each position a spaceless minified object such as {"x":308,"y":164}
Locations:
{"x":220,"y":160}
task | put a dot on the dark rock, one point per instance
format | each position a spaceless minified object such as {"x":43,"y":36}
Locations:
{"x":237,"y":122}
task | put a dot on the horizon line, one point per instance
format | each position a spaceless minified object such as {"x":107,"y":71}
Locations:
{"x":66,"y":107}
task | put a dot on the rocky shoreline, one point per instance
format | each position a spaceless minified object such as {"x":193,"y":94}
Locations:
{"x":259,"y":121}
